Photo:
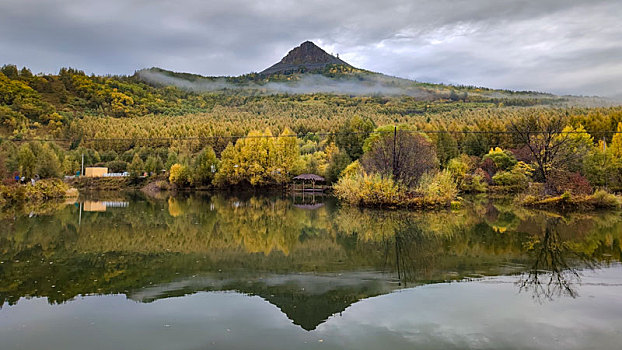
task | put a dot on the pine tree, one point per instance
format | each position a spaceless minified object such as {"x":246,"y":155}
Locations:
{"x":137,"y":166}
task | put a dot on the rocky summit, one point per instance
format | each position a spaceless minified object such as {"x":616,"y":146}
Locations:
{"x":307,"y":57}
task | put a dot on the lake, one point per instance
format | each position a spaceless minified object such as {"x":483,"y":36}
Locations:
{"x":268,"y":271}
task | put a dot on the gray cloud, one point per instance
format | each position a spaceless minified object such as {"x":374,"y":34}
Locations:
{"x":562,"y":46}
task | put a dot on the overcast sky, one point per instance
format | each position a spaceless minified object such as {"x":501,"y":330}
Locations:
{"x":560,"y":46}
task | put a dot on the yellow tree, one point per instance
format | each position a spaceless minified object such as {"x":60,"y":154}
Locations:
{"x":253,"y":157}
{"x":287,"y":155}
{"x":616,"y":142}
{"x":229,"y":171}
{"x":578,"y":145}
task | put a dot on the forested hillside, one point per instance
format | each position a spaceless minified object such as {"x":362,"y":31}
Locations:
{"x":263,"y":129}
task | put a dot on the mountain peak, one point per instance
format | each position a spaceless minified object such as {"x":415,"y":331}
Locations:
{"x":306,"y":57}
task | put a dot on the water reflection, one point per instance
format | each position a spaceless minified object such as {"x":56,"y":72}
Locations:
{"x":554,"y":271}
{"x":311,"y":261}
{"x":90,"y":205}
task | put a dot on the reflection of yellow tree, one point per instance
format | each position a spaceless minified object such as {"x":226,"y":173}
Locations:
{"x":262,"y":225}
{"x":174,"y":209}
{"x":379,"y":225}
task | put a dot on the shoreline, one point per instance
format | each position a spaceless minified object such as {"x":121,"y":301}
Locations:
{"x":53,"y":190}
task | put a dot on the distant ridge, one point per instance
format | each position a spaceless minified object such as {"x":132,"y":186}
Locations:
{"x":304,"y":58}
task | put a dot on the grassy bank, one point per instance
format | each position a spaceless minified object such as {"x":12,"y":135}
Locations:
{"x":43,"y":190}
{"x":598,"y":200}
{"x":111,"y":183}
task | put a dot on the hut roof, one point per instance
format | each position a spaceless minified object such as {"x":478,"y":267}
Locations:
{"x":309,"y":177}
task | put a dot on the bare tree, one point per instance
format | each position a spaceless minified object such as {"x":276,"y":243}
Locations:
{"x":548,"y":144}
{"x":404,"y":154}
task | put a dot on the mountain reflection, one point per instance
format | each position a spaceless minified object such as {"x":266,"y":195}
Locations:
{"x":311,"y":261}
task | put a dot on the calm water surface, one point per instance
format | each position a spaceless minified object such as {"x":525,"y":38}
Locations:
{"x":272,"y":272}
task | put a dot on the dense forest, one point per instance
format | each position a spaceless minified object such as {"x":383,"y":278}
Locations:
{"x":421,"y":146}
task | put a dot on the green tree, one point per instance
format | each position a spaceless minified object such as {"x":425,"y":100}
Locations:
{"x":170,"y":160}
{"x":338,"y":162}
{"x":117,"y":166}
{"x":48,"y":163}
{"x":446,"y":147}
{"x":577,"y":147}
{"x":475,"y":144}
{"x":27,"y":161}
{"x":352,"y":134}
{"x":3,"y":168}
{"x":137,"y":166}
{"x":204,"y":167}
{"x":25,"y":73}
{"x":602,"y":167}
{"x":229,"y":171}
{"x":153,"y":165}
{"x":108,"y":156}
{"x":10,"y":70}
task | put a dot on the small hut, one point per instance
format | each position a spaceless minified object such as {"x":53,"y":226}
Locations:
{"x":95,"y":171}
{"x":306,"y":178}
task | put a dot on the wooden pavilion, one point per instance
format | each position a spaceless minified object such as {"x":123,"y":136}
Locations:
{"x":306,"y":178}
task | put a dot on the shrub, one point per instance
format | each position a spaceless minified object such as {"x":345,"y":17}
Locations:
{"x":503,"y":160}
{"x":560,"y":181}
{"x":517,"y":178}
{"x":351,"y":170}
{"x":459,"y":166}
{"x":474,"y":184}
{"x":438,"y":187}
{"x":604,"y":199}
{"x":369,"y":190}
{"x":42,"y":190}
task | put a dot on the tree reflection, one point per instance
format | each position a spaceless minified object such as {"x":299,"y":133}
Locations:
{"x":151,"y":242}
{"x":555,"y":271}
{"x":414,"y":252}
